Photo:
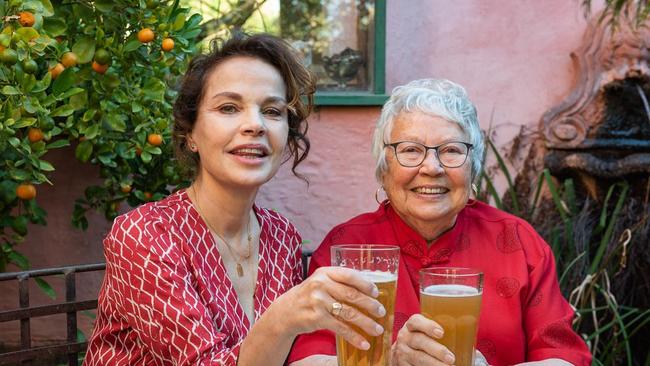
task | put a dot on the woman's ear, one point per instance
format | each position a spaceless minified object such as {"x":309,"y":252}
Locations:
{"x":191,"y":145}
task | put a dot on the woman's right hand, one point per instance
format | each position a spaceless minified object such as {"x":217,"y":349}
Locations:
{"x":416,"y":344}
{"x":309,"y":306}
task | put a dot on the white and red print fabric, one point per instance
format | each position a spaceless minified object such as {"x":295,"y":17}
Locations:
{"x":166,"y":298}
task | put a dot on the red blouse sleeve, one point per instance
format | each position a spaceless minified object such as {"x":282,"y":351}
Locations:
{"x":547,"y":315}
{"x":321,"y":342}
{"x":149,"y":283}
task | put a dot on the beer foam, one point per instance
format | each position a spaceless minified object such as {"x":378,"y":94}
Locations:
{"x":449,"y":290}
{"x":379,"y":276}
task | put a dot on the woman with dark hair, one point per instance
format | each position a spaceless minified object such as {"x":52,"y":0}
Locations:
{"x":205,"y":276}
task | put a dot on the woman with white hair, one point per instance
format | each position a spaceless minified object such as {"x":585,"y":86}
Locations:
{"x":428,"y":148}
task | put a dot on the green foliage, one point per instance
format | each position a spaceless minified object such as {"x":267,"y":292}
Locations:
{"x":592,"y":246}
{"x":615,"y":9}
{"x":107,"y":116}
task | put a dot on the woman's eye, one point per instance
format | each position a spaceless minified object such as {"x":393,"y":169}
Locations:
{"x":228,"y":108}
{"x":273,"y":112}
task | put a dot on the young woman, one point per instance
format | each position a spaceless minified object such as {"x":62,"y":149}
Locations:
{"x":205,"y":276}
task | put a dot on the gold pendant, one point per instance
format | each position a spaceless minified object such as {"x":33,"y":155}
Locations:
{"x":240,"y":270}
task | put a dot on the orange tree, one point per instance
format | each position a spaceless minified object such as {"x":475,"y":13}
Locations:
{"x":95,"y":75}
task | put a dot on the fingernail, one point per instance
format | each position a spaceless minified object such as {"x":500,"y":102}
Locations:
{"x":375,"y":291}
{"x":365,"y":345}
{"x":449,"y":358}
{"x":381,"y":311}
{"x":438,"y":333}
{"x":379,"y":329}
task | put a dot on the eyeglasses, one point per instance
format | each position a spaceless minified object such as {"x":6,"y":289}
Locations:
{"x":411,"y":154}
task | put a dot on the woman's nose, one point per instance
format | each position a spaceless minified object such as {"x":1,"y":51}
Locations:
{"x":254,"y":124}
{"x":431,"y":163}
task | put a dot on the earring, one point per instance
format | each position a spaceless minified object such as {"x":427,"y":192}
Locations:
{"x":381,"y":188}
{"x":475,"y":189}
{"x":193,"y":147}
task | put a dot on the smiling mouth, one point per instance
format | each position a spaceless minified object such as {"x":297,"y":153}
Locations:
{"x":430,"y":190}
{"x":250,"y":153}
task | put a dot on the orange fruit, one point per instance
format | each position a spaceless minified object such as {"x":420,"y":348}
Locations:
{"x":34,"y":135}
{"x":147,"y":195}
{"x":155,"y":139}
{"x":167,"y":44}
{"x":99,"y":68}
{"x":26,"y":191}
{"x":125,"y":188}
{"x":26,"y":19}
{"x":146,"y":35}
{"x":69,"y":59}
{"x":57,"y":70}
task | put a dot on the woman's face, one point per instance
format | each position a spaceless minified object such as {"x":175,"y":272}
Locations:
{"x":428,"y":197}
{"x":241,"y":127}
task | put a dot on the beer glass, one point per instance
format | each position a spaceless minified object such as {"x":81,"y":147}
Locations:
{"x":452,"y":298}
{"x":377,"y":263}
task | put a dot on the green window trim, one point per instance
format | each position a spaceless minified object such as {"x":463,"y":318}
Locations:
{"x":378,"y":95}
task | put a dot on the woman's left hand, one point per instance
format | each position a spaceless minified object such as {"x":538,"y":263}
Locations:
{"x":416,"y":344}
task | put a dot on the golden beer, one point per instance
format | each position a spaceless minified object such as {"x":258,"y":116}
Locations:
{"x":379,"y":352}
{"x":456,"y":308}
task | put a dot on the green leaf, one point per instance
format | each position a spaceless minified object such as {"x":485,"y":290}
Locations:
{"x":89,"y":114}
{"x":57,"y":144}
{"x":154,"y":89}
{"x":24,"y":122}
{"x":19,"y":260}
{"x":63,"y":82}
{"x":45,"y":166}
{"x":26,"y":33}
{"x":10,"y":90}
{"x":179,"y":22}
{"x":104,"y":6}
{"x":115,"y":122}
{"x":14,"y":141}
{"x":54,"y":26}
{"x":19,"y":175}
{"x":132,"y":45}
{"x":85,"y":49}
{"x":63,"y":111}
{"x":91,"y":132}
{"x":47,"y":289}
{"x":145,"y":156}
{"x":71,"y":92}
{"x":19,"y":224}
{"x":84,"y":150}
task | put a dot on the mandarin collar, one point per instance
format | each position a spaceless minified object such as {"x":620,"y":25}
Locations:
{"x":413,"y":245}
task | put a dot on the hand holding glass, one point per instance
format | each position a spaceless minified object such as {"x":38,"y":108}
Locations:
{"x":377,"y":263}
{"x":452,"y":298}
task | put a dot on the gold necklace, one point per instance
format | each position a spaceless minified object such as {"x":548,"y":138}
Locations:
{"x":240,"y":268}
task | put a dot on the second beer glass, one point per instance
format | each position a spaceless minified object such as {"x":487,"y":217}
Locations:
{"x":452,"y":298}
{"x":378,"y":263}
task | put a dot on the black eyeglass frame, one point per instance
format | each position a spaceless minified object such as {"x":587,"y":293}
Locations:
{"x":426,"y":151}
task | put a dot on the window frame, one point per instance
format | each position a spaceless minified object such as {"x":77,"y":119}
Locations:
{"x":377,"y":96}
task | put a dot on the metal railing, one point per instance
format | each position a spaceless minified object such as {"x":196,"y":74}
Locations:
{"x":26,"y":354}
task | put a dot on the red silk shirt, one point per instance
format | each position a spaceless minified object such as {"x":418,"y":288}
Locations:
{"x":523,"y":314}
{"x":166,"y":298}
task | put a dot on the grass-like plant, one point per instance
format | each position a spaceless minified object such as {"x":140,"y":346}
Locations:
{"x":600,"y":248}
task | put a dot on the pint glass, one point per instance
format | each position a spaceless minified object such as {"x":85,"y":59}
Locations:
{"x":377,"y":263}
{"x":452,"y":298}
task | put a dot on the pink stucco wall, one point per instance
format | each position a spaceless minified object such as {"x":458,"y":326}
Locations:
{"x":511,"y":55}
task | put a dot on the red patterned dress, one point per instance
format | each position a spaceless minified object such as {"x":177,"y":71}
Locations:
{"x":523,"y":314}
{"x":166,"y":298}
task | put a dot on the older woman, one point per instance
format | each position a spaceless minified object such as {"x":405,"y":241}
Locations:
{"x":428,"y":147}
{"x":205,"y":276}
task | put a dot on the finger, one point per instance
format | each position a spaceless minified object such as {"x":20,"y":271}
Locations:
{"x":432,"y":348}
{"x":349,"y":334}
{"x":418,"y":357}
{"x":352,"y":278}
{"x":356,"y":298}
{"x":352,"y":316}
{"x":422,"y":324}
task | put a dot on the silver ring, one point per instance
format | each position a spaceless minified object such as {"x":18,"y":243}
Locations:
{"x":337,"y":307}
